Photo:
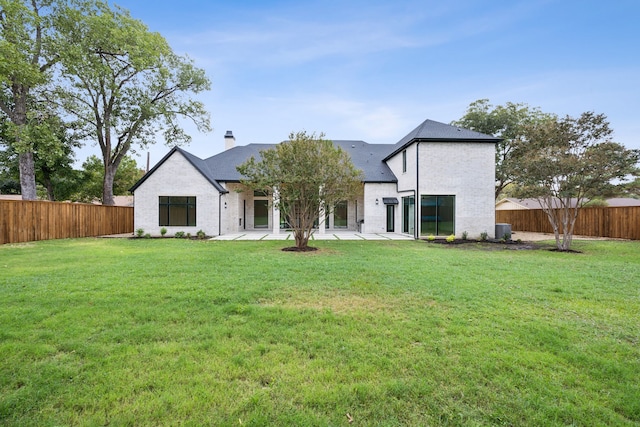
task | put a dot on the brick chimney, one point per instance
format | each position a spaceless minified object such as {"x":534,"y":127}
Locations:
{"x":229,"y":140}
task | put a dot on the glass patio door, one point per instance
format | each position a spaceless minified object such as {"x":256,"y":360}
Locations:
{"x":261,"y":213}
{"x":408,"y":215}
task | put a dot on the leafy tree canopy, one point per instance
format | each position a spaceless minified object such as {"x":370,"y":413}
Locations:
{"x":564,"y":162}
{"x":504,"y":121}
{"x":52,"y":143}
{"x":307,"y":173}
{"x":125,"y":84}
{"x":92,"y":177}
{"x":26,"y":58}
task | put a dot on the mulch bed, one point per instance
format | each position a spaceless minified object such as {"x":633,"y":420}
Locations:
{"x":490,"y":244}
{"x":297,"y":249}
{"x":496,"y":244}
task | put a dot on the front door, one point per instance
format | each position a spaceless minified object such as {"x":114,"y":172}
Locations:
{"x":390,"y":218}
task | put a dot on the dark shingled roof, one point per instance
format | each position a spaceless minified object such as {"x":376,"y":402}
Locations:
{"x":431,"y":131}
{"x":370,"y":158}
{"x":366,"y":157}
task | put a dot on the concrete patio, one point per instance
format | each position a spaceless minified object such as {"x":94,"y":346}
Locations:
{"x":287,"y":235}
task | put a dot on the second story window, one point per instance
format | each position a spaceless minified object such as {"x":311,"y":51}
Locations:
{"x":404,"y":161}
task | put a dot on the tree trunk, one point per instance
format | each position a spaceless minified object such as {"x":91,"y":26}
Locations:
{"x":26,"y":163}
{"x":107,"y":185}
{"x":302,"y":239}
{"x":27,"y":176}
{"x":49,"y":186}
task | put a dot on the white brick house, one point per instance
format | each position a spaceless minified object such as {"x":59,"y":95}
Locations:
{"x":438,"y":179}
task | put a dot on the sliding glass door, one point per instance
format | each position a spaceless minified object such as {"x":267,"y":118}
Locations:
{"x":437,"y":215}
{"x":408,"y":216}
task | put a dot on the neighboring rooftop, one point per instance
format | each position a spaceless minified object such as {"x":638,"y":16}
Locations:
{"x":512,"y":203}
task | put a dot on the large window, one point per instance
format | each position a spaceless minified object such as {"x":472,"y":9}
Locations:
{"x":437,"y":215}
{"x":177,"y":211}
{"x":340,"y":215}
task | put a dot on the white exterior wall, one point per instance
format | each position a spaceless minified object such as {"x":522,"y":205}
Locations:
{"x":375,"y":216}
{"x":406,"y":180}
{"x":232,"y":211}
{"x":466,"y":171}
{"x":176,"y":177}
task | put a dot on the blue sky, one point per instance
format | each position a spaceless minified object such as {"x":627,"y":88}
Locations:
{"x":373,"y":70}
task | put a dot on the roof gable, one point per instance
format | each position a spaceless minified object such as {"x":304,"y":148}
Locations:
{"x":196,"y":162}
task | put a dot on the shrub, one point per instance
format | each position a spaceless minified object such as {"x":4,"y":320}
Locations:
{"x":179,"y":234}
{"x":139,"y":232}
{"x":188,"y":235}
{"x":163,"y":231}
{"x":465,"y":235}
{"x":451,"y":238}
{"x":484,"y":235}
{"x":201,"y":234}
{"x":431,"y":238}
{"x":147,"y":236}
{"x":506,"y":236}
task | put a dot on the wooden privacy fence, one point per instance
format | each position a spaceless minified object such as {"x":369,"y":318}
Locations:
{"x":616,"y":222}
{"x":25,"y":221}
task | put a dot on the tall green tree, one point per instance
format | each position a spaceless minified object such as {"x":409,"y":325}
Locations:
{"x":504,"y":121}
{"x":632,"y":189}
{"x":125,"y":84}
{"x":92,"y":178}
{"x":53,"y":143}
{"x":305,"y":174}
{"x":564,"y":162}
{"x":26,"y":58}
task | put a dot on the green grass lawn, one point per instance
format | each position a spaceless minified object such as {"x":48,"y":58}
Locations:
{"x":168,"y":332}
